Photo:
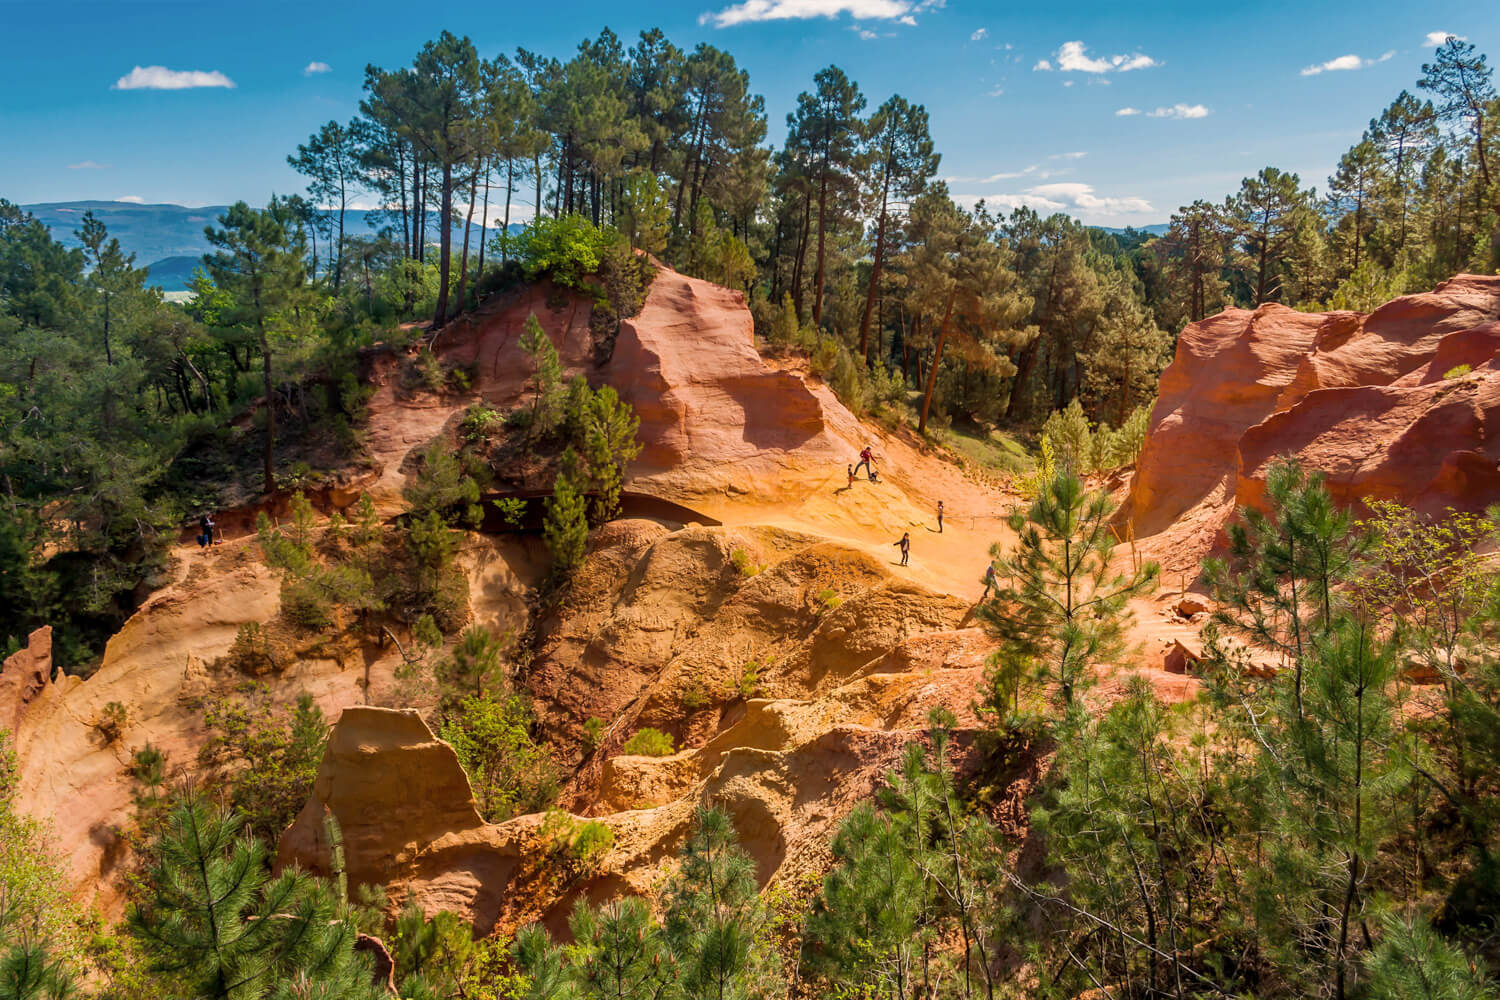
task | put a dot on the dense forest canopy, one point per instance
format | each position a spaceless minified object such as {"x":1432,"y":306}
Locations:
{"x":114,"y":404}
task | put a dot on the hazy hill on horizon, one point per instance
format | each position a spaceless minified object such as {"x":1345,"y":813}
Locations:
{"x":168,"y":239}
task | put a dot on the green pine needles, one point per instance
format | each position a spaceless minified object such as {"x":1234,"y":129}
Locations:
{"x":1065,"y":607}
{"x":218,"y":922}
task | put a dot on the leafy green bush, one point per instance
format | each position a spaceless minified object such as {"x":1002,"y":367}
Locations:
{"x":111,"y":722}
{"x":1458,"y":371}
{"x":593,"y":734}
{"x":512,"y":510}
{"x":566,"y":249}
{"x":510,"y":772}
{"x":649,"y":742}
{"x":264,"y":755}
{"x":581,"y":846}
{"x":480,"y":421}
{"x":743,"y":563}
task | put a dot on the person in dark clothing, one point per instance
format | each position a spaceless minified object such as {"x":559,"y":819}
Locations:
{"x":874,"y":476}
{"x":864,"y":459}
{"x":205,"y":531}
{"x":851,"y":477}
{"x":940,"y":517}
{"x":905,"y":546}
{"x":990,"y":581}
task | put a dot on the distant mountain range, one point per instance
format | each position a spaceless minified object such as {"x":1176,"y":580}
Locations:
{"x":170,"y":237}
{"x":1155,"y":229}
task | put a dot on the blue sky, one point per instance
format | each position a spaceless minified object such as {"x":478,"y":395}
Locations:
{"x":1218,"y":90}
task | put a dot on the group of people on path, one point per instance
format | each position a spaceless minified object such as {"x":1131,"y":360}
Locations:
{"x":866,"y":459}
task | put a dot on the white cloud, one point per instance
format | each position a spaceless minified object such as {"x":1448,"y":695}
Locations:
{"x":315,"y":67}
{"x":1348,"y":62}
{"x":1178,"y":111}
{"x":997,"y":92}
{"x":134,"y":199}
{"x":1067,"y":156}
{"x":88,"y":165}
{"x":865,"y":34}
{"x":1127,"y":112}
{"x":1042,"y":65}
{"x":1067,"y":83}
{"x":1075,"y":197}
{"x":1073,"y":57}
{"x":1008,"y":175}
{"x":979,"y":35}
{"x":161,"y":78}
{"x":1436,"y":38}
{"x":753,"y":11}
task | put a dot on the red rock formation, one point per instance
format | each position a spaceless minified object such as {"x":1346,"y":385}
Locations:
{"x":25,"y":675}
{"x":1362,"y":399}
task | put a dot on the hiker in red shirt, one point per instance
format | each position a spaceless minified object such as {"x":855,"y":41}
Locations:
{"x":864,"y":459}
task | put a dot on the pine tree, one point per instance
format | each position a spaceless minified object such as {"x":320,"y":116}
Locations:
{"x":1268,"y":212}
{"x":258,"y":264}
{"x":609,"y":445}
{"x":1066,"y":606}
{"x":714,"y":915}
{"x":546,"y":376}
{"x":215,"y":917}
{"x":565,"y":524}
{"x":1281,"y":587}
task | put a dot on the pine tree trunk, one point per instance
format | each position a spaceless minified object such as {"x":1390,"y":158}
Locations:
{"x":270,"y":452}
{"x":822,"y":232}
{"x":484,"y":227}
{"x":463,"y":260}
{"x":802,"y":239}
{"x":864,"y":324}
{"x":445,"y":246}
{"x":937,"y":357}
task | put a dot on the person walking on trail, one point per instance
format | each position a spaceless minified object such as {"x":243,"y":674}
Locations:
{"x":940,"y":517}
{"x":905,"y":546}
{"x":205,"y":531}
{"x":991,"y":582}
{"x":864,"y":459}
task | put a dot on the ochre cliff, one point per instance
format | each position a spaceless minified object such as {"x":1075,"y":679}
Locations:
{"x":1379,"y":403}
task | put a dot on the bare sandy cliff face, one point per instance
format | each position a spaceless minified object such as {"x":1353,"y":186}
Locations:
{"x":1402,"y":404}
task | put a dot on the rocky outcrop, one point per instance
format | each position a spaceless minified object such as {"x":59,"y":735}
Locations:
{"x":1379,"y":403}
{"x":393,"y":787}
{"x":25,"y":677}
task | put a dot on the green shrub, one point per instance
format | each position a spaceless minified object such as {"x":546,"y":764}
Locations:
{"x":581,"y":846}
{"x":479,"y":422}
{"x":748,"y":685}
{"x":593,"y":734}
{"x":823,"y":356}
{"x":695,"y":696}
{"x":510,"y":772}
{"x":1458,"y":371}
{"x":566,"y":249}
{"x":649,"y":742}
{"x":591,"y":845}
{"x":264,"y":756}
{"x":743,"y":563}
{"x":512,"y":510}
{"x":111,"y":722}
